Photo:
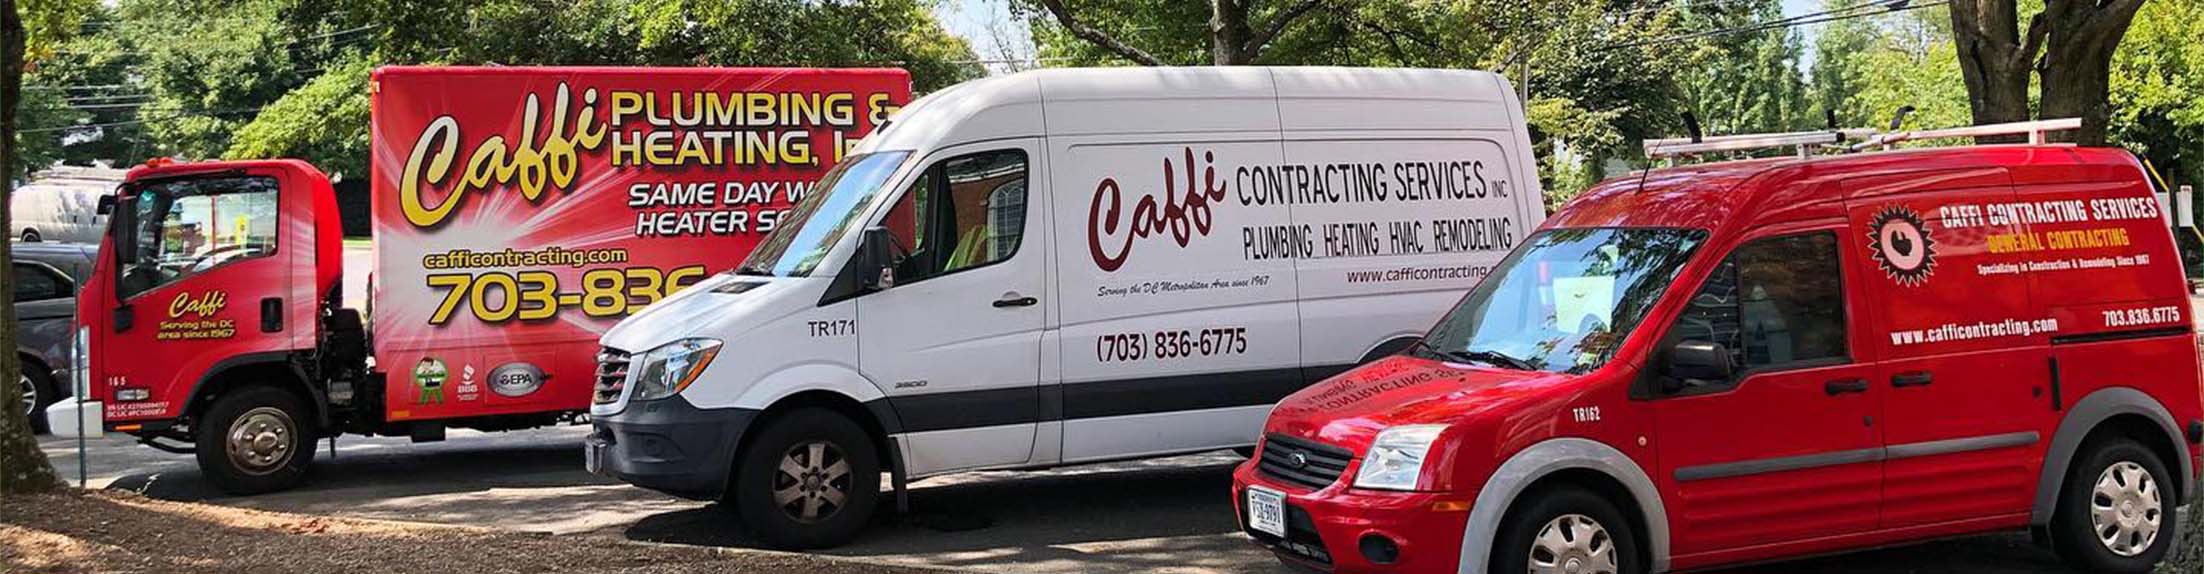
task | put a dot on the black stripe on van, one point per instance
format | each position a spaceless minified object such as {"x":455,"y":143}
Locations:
{"x":2103,"y":336}
{"x":1096,"y":399}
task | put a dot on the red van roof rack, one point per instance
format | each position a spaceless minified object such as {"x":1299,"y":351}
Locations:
{"x":1809,"y":141}
{"x":2036,"y":131}
{"x":1806,"y":142}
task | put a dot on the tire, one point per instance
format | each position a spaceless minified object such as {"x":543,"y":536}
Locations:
{"x":280,"y":449}
{"x":833,"y":457}
{"x":41,"y":388}
{"x":1611,"y":546}
{"x":30,"y":236}
{"x":2128,"y":480}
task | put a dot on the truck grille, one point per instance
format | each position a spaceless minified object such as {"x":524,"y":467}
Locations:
{"x":612,"y":375}
{"x":1305,"y":463}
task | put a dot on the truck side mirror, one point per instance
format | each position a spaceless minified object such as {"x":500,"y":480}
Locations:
{"x":876,"y":258}
{"x":1693,"y":362}
{"x":106,"y":205}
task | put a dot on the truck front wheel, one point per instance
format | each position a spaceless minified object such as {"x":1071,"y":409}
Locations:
{"x":807,"y":480}
{"x":255,"y":440}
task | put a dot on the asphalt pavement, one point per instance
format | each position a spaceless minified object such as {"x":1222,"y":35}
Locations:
{"x":1164,"y":515}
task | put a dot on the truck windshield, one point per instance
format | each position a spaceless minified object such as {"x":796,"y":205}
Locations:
{"x":1565,"y":301}
{"x":823,"y":217}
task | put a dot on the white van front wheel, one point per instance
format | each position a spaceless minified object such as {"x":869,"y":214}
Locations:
{"x":30,"y":236}
{"x":809,"y":479}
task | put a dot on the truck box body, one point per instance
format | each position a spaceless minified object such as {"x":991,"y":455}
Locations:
{"x":520,"y":212}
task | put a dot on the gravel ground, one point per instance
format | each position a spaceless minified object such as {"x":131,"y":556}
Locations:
{"x":84,"y":532}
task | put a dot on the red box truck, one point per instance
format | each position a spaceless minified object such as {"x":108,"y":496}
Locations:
{"x":518,"y":213}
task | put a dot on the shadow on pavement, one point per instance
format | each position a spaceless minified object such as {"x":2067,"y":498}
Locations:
{"x":1123,"y":517}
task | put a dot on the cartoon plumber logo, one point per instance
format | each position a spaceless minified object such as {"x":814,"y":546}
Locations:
{"x":1899,"y":240}
{"x":429,"y":376}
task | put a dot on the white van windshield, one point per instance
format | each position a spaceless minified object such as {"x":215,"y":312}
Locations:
{"x":823,"y":217}
{"x":1564,"y":301}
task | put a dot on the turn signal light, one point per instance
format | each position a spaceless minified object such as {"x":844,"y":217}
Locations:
{"x":1450,"y":506}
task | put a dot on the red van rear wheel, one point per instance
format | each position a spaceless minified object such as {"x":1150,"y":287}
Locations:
{"x":1565,"y":529}
{"x":2115,"y":513}
{"x":255,"y":440}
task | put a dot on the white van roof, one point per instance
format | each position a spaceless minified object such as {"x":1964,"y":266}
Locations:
{"x":1078,"y":101}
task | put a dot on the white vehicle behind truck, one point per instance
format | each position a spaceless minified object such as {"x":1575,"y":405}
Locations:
{"x":1067,"y":266}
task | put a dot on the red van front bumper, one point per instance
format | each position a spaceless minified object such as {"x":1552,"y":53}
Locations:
{"x":1326,"y":528}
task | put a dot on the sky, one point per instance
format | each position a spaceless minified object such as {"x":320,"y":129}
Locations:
{"x":995,"y":34}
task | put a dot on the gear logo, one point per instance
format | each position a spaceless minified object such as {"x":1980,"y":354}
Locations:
{"x":1899,"y":240}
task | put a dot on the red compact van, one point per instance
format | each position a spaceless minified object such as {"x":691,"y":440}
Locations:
{"x":1756,"y":360}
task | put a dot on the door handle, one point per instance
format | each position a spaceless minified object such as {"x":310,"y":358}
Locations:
{"x":1911,"y":379}
{"x":1015,"y":302}
{"x":1842,"y":386}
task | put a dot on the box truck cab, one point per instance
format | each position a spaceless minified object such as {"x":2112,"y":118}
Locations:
{"x":1067,"y":266}
{"x":1756,"y":360}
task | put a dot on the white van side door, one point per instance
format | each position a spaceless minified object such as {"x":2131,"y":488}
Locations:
{"x":956,"y":339}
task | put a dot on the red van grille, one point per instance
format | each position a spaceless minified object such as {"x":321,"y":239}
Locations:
{"x":612,"y":375}
{"x":1305,"y":463}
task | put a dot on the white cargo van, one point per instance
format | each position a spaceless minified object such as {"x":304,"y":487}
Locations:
{"x":62,"y":204}
{"x":1067,"y":266}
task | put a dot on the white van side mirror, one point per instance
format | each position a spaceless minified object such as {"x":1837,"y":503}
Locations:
{"x":876,"y":256}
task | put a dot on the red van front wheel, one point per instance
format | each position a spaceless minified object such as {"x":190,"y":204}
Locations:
{"x":1565,"y":530}
{"x":2115,"y":513}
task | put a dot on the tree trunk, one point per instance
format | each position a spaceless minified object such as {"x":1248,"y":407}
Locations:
{"x":1228,"y":33}
{"x":2070,"y":44}
{"x":23,"y":468}
{"x":1993,"y":60}
{"x":2077,"y":63}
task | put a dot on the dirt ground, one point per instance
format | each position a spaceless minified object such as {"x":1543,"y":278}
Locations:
{"x":87,"y":532}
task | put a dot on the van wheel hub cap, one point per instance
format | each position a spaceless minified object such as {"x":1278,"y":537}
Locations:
{"x":812,"y":482}
{"x":30,"y":395}
{"x":261,"y":441}
{"x":1573,"y":544}
{"x":2126,"y":508}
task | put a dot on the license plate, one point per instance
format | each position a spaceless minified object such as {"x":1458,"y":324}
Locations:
{"x":1266,"y":511}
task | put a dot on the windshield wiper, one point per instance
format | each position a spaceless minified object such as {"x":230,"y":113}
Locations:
{"x":1494,"y":358}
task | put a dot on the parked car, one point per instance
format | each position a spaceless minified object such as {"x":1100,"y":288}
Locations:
{"x":44,"y":281}
{"x":1143,"y":273}
{"x":62,"y":204}
{"x":1758,"y":360}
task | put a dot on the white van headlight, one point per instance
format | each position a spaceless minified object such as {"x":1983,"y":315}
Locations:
{"x":668,"y":369}
{"x":1395,"y":460}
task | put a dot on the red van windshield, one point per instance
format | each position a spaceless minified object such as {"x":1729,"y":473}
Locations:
{"x":1566,"y":299}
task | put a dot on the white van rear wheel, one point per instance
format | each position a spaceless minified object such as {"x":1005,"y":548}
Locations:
{"x":30,"y":236}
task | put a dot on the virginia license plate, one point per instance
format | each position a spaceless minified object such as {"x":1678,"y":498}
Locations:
{"x":1266,"y":511}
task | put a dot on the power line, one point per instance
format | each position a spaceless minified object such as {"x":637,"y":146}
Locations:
{"x":282,"y":44}
{"x":185,"y":115}
{"x":1834,"y":15}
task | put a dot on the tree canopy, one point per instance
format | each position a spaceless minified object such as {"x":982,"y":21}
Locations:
{"x":264,"y":78}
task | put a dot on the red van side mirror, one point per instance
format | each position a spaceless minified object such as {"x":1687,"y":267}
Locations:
{"x":1691,"y":363}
